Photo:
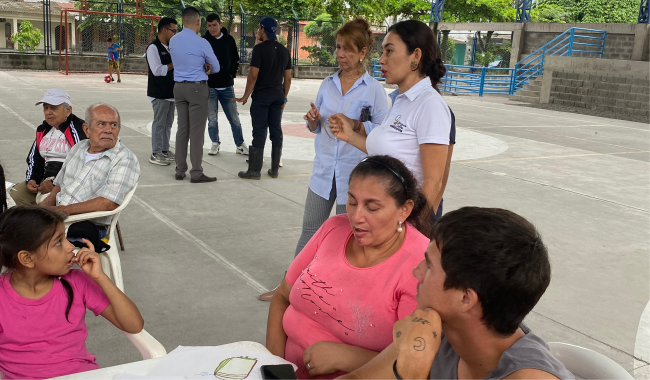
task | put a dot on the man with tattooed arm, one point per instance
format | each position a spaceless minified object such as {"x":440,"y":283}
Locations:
{"x":483,"y":272}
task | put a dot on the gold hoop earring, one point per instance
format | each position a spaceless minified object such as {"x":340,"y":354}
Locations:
{"x":414,"y":65}
{"x":399,"y":228}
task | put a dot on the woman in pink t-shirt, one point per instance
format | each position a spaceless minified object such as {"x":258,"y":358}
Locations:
{"x":336,"y":307}
{"x":43,"y":302}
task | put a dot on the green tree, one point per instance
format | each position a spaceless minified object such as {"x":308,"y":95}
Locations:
{"x":305,"y":9}
{"x":322,"y":29}
{"x":411,"y":9}
{"x":549,"y":13}
{"x":598,"y":11}
{"x":479,"y":11}
{"x":28,"y":38}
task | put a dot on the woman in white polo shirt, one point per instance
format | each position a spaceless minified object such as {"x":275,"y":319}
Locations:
{"x":418,"y":128}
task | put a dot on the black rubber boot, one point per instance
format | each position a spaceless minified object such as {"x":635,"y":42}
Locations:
{"x":255,"y":157}
{"x":276,"y":155}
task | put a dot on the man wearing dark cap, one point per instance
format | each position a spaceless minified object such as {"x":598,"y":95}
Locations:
{"x":269,"y":80}
{"x":191,"y":54}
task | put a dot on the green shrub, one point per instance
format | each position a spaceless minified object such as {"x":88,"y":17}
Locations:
{"x":28,"y":38}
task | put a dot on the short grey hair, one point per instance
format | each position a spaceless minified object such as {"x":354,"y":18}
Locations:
{"x":66,"y":106}
{"x":90,"y":114}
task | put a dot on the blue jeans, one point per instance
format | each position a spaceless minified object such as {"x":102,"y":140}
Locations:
{"x":225,"y":97}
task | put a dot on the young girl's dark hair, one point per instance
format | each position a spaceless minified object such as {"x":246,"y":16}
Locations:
{"x":416,"y":34}
{"x":27,"y":228}
{"x":400,"y":184}
{"x":3,"y":191}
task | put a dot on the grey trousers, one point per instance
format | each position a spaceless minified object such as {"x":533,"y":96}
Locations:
{"x":317,"y":210}
{"x":192,"y":107}
{"x":161,"y":128}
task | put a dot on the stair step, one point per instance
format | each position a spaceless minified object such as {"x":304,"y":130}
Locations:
{"x":527,"y":93}
{"x":537,"y":88}
{"x":525,"y":99}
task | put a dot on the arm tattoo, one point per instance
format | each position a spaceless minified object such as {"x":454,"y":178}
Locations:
{"x":435,"y":336}
{"x":421,"y":344}
{"x":399,"y":333}
{"x":423,"y":321}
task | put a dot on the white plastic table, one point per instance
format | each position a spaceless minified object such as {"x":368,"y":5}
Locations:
{"x":142,"y":367}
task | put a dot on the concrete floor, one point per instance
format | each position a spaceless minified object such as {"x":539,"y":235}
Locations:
{"x":197,"y":256}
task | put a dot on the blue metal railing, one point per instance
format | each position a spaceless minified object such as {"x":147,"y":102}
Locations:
{"x":572,"y":41}
{"x":376,"y":70}
{"x":477,"y":80}
{"x":505,"y":81}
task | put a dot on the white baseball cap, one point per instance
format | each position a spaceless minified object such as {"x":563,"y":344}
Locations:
{"x":55,"y":97}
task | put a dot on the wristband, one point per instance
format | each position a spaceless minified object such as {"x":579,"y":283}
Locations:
{"x":286,"y":100}
{"x":397,"y":376}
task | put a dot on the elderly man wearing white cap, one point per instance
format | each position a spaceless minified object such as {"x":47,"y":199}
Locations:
{"x":58,"y":133}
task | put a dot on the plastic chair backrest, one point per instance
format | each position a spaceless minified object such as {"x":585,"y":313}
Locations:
{"x":587,"y":364}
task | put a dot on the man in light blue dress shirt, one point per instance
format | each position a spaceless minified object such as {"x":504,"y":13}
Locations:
{"x":191,"y":55}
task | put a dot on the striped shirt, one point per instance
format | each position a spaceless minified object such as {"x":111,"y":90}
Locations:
{"x":111,"y":175}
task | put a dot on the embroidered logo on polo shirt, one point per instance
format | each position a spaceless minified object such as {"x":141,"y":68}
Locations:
{"x":397,"y":125}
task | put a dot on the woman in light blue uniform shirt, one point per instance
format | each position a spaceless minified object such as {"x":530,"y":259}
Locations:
{"x":361,"y":99}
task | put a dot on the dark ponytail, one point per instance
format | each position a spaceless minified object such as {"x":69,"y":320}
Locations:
{"x":27,"y":228}
{"x":3,"y":191}
{"x":401,"y":185}
{"x":70,"y":294}
{"x":417,"y":35}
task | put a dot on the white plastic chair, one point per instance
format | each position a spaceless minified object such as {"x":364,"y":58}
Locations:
{"x":111,"y":258}
{"x":587,"y":364}
{"x":148,"y":346}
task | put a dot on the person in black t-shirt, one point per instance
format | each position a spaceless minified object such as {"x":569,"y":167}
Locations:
{"x":269,"y":80}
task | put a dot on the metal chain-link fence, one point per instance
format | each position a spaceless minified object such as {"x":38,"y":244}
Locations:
{"x":310,"y":42}
{"x":89,"y":33}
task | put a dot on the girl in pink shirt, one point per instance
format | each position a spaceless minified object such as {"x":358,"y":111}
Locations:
{"x":336,"y":307}
{"x":43,"y":302}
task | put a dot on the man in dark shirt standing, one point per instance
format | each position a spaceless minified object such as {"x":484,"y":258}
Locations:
{"x":221,"y":84}
{"x":269,"y":79}
{"x":160,"y":91}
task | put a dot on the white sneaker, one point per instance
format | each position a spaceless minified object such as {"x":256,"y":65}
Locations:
{"x":242,"y":149}
{"x":280,"y":163}
{"x":215,"y":149}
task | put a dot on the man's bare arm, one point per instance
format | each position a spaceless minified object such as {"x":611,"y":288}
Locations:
{"x":287,"y":82}
{"x":51,"y":198}
{"x":250,"y":84}
{"x":380,"y":367}
{"x":96,"y":204}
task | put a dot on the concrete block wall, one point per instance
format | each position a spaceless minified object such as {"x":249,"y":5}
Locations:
{"x":10,"y":61}
{"x":617,"y":46}
{"x":313,"y":72}
{"x":597,"y":90}
{"x":622,"y":41}
{"x":26,"y":62}
{"x":100,"y":63}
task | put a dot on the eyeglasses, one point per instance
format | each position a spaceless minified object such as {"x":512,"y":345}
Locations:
{"x":172,"y":30}
{"x":326,"y":127}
